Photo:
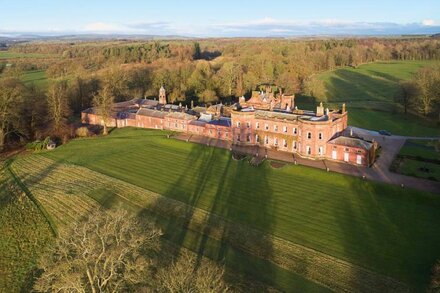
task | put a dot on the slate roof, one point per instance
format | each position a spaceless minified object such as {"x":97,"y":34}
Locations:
{"x":271,"y":114}
{"x":152,"y":113}
{"x":223,"y":121}
{"x":180,"y":115}
{"x":197,"y":123}
{"x":352,"y":142}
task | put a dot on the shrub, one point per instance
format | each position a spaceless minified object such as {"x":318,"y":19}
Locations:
{"x":82,"y":132}
{"x":38,"y":145}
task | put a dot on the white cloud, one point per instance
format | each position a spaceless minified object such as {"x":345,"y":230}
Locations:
{"x":103,"y":27}
{"x":428,"y":22}
{"x":284,"y":27}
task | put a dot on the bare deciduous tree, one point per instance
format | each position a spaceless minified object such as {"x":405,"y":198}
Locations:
{"x":57,"y":100}
{"x":187,"y":274}
{"x":103,"y":101}
{"x":108,"y":252}
{"x":10,"y":98}
{"x":427,"y":80}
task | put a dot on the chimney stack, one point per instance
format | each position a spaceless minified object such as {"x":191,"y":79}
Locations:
{"x":320,"y":110}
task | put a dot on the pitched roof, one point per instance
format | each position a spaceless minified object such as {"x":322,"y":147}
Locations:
{"x":151,"y":113}
{"x":271,"y":114}
{"x":352,"y":142}
{"x":223,"y":121}
{"x":180,"y":115}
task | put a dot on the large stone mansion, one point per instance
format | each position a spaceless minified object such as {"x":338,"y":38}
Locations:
{"x":268,"y":119}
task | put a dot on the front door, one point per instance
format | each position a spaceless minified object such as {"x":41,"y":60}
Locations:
{"x":346,"y":157}
{"x":334,"y":155}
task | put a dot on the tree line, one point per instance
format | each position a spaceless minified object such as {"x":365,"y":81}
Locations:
{"x":203,"y":71}
{"x":422,"y":92}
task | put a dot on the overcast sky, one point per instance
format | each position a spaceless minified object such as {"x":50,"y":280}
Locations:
{"x":211,"y":18}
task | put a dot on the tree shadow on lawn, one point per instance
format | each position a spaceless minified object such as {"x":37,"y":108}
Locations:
{"x":349,"y":85}
{"x":390,"y":231}
{"x":229,"y":190}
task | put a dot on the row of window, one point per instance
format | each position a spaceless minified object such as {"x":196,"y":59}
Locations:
{"x":266,"y":127}
{"x":275,"y":128}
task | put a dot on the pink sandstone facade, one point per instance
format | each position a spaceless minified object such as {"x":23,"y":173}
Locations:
{"x":266,"y":120}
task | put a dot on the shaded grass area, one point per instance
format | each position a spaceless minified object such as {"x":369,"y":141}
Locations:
{"x":422,"y":149}
{"x":24,"y":234}
{"x":395,"y":123}
{"x":420,"y":169}
{"x":36,"y":77}
{"x":377,"y":226}
{"x":419,"y":158}
{"x":369,"y":82}
{"x":70,"y":192}
{"x":373,"y":87}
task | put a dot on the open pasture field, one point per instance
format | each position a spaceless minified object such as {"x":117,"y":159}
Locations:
{"x":14,"y":55}
{"x":369,"y":82}
{"x":37,"y":77}
{"x":368,"y":92}
{"x":386,"y":230}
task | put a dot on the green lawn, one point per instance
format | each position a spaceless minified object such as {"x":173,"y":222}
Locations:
{"x":390,"y":230}
{"x":13,"y":55}
{"x":397,"y":124}
{"x":423,"y":149}
{"x":419,"y":158}
{"x":371,"y":88}
{"x":24,"y":234}
{"x":37,"y":77}
{"x":420,"y":169}
{"x":369,"y":82}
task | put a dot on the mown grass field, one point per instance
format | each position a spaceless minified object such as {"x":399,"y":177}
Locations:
{"x":14,"y":55}
{"x":24,"y":234}
{"x":369,"y":93}
{"x":383,"y":228}
{"x":36,"y":77}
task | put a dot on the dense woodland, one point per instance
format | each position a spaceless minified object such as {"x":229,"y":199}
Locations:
{"x":205,"y":71}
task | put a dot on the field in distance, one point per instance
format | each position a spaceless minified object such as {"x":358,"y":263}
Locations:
{"x":369,"y":90}
{"x":388,"y":231}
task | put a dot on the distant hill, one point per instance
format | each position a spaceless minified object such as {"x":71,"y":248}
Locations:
{"x":18,"y":37}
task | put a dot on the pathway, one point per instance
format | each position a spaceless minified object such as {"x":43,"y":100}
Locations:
{"x":379,"y":172}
